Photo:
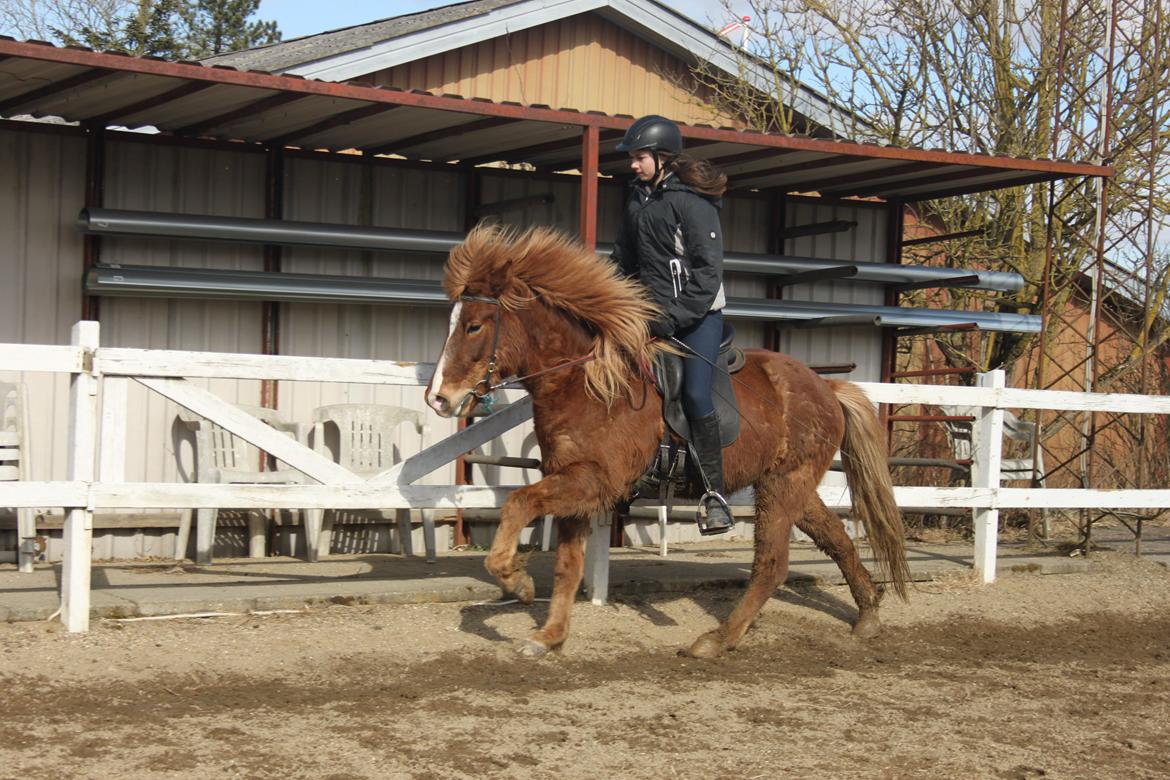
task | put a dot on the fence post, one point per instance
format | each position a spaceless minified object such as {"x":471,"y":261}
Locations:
{"x":75,"y":569}
{"x":597,"y":557}
{"x":985,"y":473}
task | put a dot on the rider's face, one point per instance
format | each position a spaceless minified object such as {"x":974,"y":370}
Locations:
{"x":643,"y":165}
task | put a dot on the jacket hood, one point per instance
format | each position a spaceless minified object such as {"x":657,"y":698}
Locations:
{"x":675,"y":184}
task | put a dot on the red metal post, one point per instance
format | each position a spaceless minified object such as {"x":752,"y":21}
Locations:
{"x":895,"y":215}
{"x":270,"y":318}
{"x":95,"y":168}
{"x":778,"y":206}
{"x":590,"y":146}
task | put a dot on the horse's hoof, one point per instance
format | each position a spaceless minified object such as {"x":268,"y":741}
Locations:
{"x":530,"y":648}
{"x":706,"y":646}
{"x":867,"y":626}
{"x":525,"y":590}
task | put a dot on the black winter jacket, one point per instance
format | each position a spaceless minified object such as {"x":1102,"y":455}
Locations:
{"x":670,"y":239}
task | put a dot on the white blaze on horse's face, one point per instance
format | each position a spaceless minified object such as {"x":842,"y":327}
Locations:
{"x":435,"y":400}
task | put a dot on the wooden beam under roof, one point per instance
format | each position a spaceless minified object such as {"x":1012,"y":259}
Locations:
{"x":255,"y":107}
{"x":454,"y":131}
{"x":337,"y":120}
{"x":130,"y":109}
{"x":9,"y":105}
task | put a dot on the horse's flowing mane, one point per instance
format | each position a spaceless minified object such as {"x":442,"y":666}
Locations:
{"x":543,"y":263}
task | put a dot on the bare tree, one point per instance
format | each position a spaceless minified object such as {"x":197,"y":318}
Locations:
{"x":990,"y":77}
{"x":177,"y":29}
{"x":55,"y":20}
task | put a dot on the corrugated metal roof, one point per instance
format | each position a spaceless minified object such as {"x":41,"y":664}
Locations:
{"x":188,"y":99}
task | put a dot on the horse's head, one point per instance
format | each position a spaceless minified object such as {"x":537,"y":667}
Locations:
{"x":470,"y":362}
{"x":504,"y":284}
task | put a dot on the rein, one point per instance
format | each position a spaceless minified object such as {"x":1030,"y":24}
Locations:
{"x":566,"y":364}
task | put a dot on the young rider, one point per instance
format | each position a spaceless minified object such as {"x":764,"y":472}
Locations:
{"x":669,"y":238}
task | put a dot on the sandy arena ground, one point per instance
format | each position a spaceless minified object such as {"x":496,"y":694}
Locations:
{"x":1037,"y":676}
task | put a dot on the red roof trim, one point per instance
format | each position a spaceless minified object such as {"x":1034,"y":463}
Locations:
{"x":221,"y":75}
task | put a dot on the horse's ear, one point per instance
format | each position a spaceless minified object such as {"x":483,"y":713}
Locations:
{"x":498,"y":280}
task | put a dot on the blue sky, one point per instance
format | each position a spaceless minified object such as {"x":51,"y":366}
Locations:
{"x":305,"y":17}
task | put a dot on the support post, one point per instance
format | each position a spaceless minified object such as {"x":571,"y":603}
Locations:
{"x":26,"y":518}
{"x":270,"y":310}
{"x":597,"y":558}
{"x":78,"y":553}
{"x":95,"y":176}
{"x":429,"y":541}
{"x":663,"y":521}
{"x":985,"y":473}
{"x":778,"y":207}
{"x":590,"y":145}
{"x":895,"y":225}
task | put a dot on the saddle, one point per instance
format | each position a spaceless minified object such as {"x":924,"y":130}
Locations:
{"x":669,"y":473}
{"x":668,"y":376}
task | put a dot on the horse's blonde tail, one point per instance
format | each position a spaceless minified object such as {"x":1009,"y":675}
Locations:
{"x":863,"y":457}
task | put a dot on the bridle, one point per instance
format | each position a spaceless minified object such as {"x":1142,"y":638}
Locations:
{"x":484,"y":395}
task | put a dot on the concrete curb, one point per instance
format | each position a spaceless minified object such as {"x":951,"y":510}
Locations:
{"x":156,"y":601}
{"x":155,"y":589}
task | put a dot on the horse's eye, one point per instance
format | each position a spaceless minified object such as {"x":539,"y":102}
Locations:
{"x":474,"y":328}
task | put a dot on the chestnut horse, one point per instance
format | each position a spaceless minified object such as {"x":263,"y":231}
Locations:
{"x":539,"y":306}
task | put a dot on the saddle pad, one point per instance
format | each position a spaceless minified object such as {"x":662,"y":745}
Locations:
{"x":668,"y":373}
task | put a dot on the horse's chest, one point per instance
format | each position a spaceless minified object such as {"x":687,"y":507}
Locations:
{"x":609,"y":439}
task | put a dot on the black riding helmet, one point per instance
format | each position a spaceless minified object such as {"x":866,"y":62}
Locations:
{"x":653,"y":133}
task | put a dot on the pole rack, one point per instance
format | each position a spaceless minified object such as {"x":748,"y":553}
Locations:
{"x":816,"y":275}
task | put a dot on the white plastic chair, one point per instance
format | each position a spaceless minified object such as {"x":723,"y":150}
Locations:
{"x":960,"y":433}
{"x":14,"y":460}
{"x":361,"y":438}
{"x":221,"y":457}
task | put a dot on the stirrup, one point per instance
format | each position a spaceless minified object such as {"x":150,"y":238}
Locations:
{"x":702,"y":518}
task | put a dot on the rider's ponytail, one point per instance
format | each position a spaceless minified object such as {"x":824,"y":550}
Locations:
{"x":699,"y":175}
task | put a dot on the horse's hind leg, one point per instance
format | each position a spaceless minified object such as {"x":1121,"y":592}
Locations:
{"x":828,"y":533}
{"x":570,"y":566}
{"x":778,"y":497}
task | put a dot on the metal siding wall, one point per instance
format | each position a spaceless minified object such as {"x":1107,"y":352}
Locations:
{"x":862,"y":243}
{"x":45,"y":257}
{"x":182,"y":180}
{"x":585,"y":63}
{"x":610,"y":201}
{"x":387,"y":196}
{"x":746,"y":227}
{"x":41,"y":263}
{"x":563,"y":212}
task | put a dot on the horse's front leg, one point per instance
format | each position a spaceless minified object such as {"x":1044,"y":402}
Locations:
{"x":575,"y":491}
{"x":570,"y":567}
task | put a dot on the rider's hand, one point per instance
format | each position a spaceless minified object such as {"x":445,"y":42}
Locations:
{"x":660,"y":329}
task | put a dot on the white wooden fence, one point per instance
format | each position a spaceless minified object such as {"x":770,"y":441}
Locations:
{"x":90,"y":486}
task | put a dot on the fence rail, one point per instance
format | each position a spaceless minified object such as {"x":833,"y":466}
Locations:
{"x":91,"y":486}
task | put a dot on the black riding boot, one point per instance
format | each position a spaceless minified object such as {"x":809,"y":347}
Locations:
{"x":708,"y":452}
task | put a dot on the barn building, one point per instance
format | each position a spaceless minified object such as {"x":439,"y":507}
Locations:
{"x":299,"y":198}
